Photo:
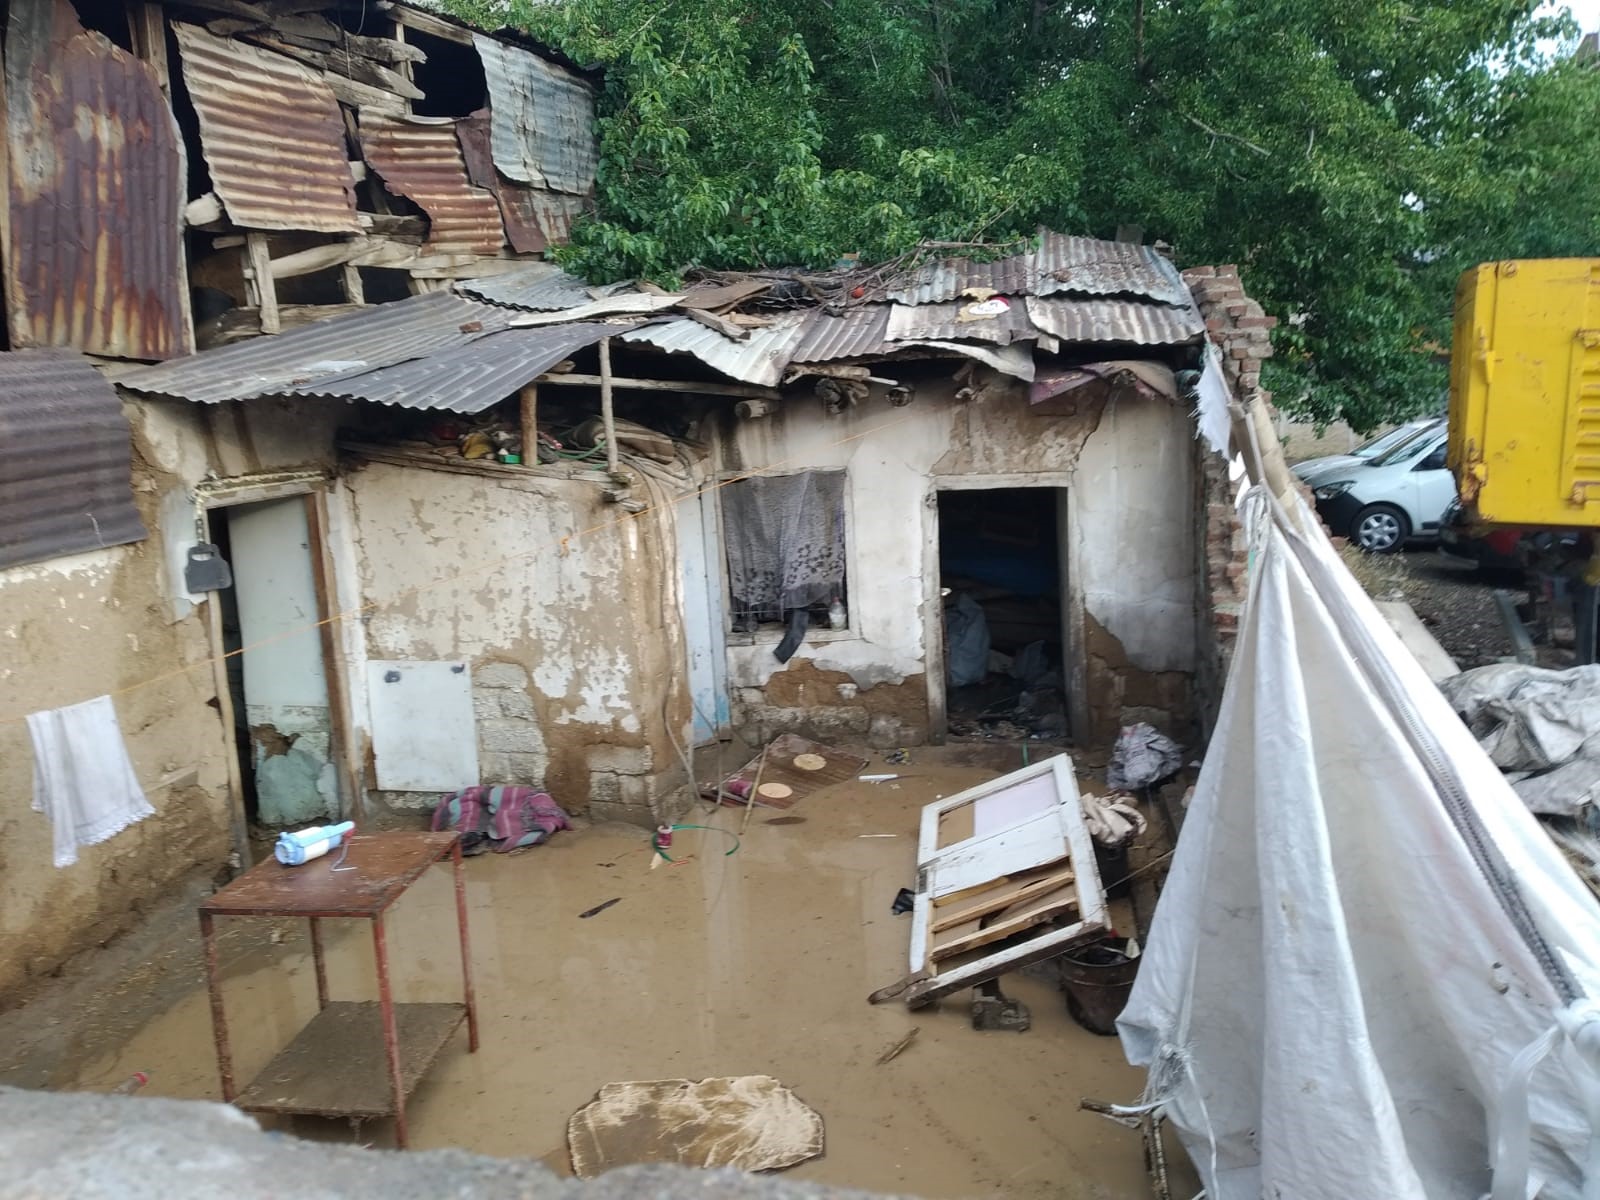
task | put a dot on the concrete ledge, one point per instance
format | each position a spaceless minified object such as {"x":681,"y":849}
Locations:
{"x":93,"y":1147}
{"x":1424,"y":647}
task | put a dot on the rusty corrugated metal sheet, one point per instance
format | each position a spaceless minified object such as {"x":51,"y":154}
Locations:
{"x":758,"y":359}
{"x":464,"y":379}
{"x":66,"y":455}
{"x":534,"y":219}
{"x":541,"y":119}
{"x":1061,"y":263}
{"x":1091,"y":267}
{"x":374,"y":337}
{"x":273,"y":136}
{"x":423,"y":162}
{"x":96,"y":191}
{"x":1114,"y":321}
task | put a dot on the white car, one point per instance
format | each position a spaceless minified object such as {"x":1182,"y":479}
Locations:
{"x":1318,"y":467}
{"x":1383,"y":501}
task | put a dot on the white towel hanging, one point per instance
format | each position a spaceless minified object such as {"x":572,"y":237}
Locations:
{"x":82,"y":778}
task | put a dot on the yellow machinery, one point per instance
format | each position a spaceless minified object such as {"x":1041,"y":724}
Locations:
{"x":1524,"y":438}
{"x":1525,"y":393}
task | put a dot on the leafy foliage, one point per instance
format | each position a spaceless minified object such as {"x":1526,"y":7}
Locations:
{"x":1351,"y":155}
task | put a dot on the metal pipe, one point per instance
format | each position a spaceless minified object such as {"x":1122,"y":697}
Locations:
{"x":391,"y":1034}
{"x":219,"y":1019}
{"x":606,"y":415}
{"x":320,"y":963}
{"x":466,"y":947}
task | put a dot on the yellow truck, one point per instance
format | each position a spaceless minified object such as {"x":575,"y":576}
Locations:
{"x":1525,"y":393}
{"x":1524,"y":426}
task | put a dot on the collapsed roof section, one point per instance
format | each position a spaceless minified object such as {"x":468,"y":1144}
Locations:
{"x":466,"y":350}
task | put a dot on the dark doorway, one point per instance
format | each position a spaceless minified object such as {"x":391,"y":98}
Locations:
{"x":1000,"y":570}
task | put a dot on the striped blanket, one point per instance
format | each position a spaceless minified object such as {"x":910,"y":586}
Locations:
{"x":499,"y":818}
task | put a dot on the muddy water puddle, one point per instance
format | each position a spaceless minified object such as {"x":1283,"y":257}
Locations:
{"x":755,"y":962}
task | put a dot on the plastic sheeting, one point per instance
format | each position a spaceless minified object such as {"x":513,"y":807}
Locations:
{"x":1541,"y":727}
{"x":1362,"y":928}
{"x":785,"y":539}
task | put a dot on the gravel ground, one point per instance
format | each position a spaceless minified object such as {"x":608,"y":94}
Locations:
{"x":1455,"y":602}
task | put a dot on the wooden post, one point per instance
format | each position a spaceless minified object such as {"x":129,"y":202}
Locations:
{"x":606,"y":414}
{"x":530,"y":424}
{"x":353,"y":289}
{"x":258,"y":272}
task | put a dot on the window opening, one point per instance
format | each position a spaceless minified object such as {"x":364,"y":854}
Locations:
{"x":785,"y":539}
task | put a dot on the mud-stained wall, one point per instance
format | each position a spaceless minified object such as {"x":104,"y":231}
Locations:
{"x":566,"y":608}
{"x":119,"y":622}
{"x":1127,"y":463}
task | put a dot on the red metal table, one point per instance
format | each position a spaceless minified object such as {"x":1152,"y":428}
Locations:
{"x":354,"y":1059}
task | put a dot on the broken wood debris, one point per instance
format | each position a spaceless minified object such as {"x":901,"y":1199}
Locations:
{"x":900,"y":1047}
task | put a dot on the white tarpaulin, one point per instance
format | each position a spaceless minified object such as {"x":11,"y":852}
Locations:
{"x":1362,"y":929}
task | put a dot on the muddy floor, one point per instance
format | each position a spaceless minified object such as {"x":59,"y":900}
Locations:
{"x":758,"y":961}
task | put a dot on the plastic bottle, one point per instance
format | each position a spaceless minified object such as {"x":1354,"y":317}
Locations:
{"x":837,"y":617}
{"x":131,"y":1084}
{"x":303,"y":845}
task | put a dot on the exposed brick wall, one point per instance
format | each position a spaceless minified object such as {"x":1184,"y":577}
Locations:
{"x":1243,"y":333}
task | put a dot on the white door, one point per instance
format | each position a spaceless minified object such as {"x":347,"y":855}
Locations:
{"x":699,"y":551}
{"x":1435,"y":489}
{"x":285,"y":683}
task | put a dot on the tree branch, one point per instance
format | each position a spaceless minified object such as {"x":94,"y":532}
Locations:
{"x":1231,"y":137}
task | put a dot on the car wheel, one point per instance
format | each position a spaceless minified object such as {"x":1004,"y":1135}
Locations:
{"x":1380,"y":529}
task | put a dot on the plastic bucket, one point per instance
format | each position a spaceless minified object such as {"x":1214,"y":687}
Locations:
{"x":1098,"y":980}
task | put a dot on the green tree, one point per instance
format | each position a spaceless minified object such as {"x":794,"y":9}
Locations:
{"x":1351,"y":156}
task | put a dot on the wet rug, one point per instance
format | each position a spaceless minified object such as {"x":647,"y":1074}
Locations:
{"x":751,"y":1122}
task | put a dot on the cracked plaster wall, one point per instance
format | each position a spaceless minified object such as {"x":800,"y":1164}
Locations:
{"x":1128,"y":464}
{"x":566,"y":609}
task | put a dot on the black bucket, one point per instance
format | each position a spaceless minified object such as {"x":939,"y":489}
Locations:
{"x":1112,"y":863}
{"x":1098,"y":980}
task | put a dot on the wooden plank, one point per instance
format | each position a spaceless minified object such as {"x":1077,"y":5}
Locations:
{"x":1033,"y":843}
{"x":148,"y":27}
{"x":354,"y":290}
{"x":727,"y":329}
{"x":1017,"y":891}
{"x":977,"y":889}
{"x":428,"y":23}
{"x":1025,"y":916}
{"x":336,"y":1067}
{"x":320,"y":258}
{"x":206,"y":210}
{"x":528,"y":399}
{"x":668,"y":385}
{"x":1048,"y":942}
{"x":258,"y":273}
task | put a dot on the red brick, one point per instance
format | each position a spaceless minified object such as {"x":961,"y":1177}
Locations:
{"x":1215,"y":324}
{"x":1242,"y":352}
{"x":1200,"y":273}
{"x":1236,"y":309}
{"x":1228,"y":269}
{"x":1254,"y":322}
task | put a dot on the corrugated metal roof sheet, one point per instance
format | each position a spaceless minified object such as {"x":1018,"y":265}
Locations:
{"x":956,"y":321}
{"x":464,"y":379}
{"x":758,"y":359}
{"x":857,"y":333}
{"x":1079,"y":265}
{"x":94,"y":257}
{"x":273,"y":136}
{"x":422,"y":161}
{"x":380,"y":336}
{"x":1114,"y":321}
{"x":541,"y":119}
{"x":1091,"y":267}
{"x":538,"y":287}
{"x":66,"y":480}
{"x":535,"y":219}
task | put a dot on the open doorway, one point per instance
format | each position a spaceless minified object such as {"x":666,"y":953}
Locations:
{"x":283,"y":726}
{"x":1002,"y":578}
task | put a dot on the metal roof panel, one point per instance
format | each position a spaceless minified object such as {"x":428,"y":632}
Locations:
{"x":758,"y":359}
{"x":541,"y":119}
{"x":1114,"y":321}
{"x":272,"y":133}
{"x":422,"y":160}
{"x":66,"y":481}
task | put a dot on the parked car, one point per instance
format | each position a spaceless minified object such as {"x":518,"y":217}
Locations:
{"x":1367,"y":451}
{"x":1384,"y":501}
{"x":1486,"y":549}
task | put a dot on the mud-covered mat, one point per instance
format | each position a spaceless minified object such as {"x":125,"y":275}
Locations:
{"x":751,"y":1122}
{"x":794,"y":769}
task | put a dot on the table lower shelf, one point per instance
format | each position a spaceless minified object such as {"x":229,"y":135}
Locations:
{"x":336,"y":1066}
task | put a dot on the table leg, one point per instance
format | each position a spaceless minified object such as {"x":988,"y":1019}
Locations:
{"x":219,"y":1019}
{"x":391,"y":1035}
{"x":321,"y":963}
{"x":466,"y":951}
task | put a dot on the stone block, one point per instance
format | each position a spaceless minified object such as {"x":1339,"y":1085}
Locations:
{"x":605,"y":810}
{"x":624,"y":760}
{"x":505,"y":734}
{"x":500,"y":675}
{"x":486,"y":704}
{"x":514,"y":702}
